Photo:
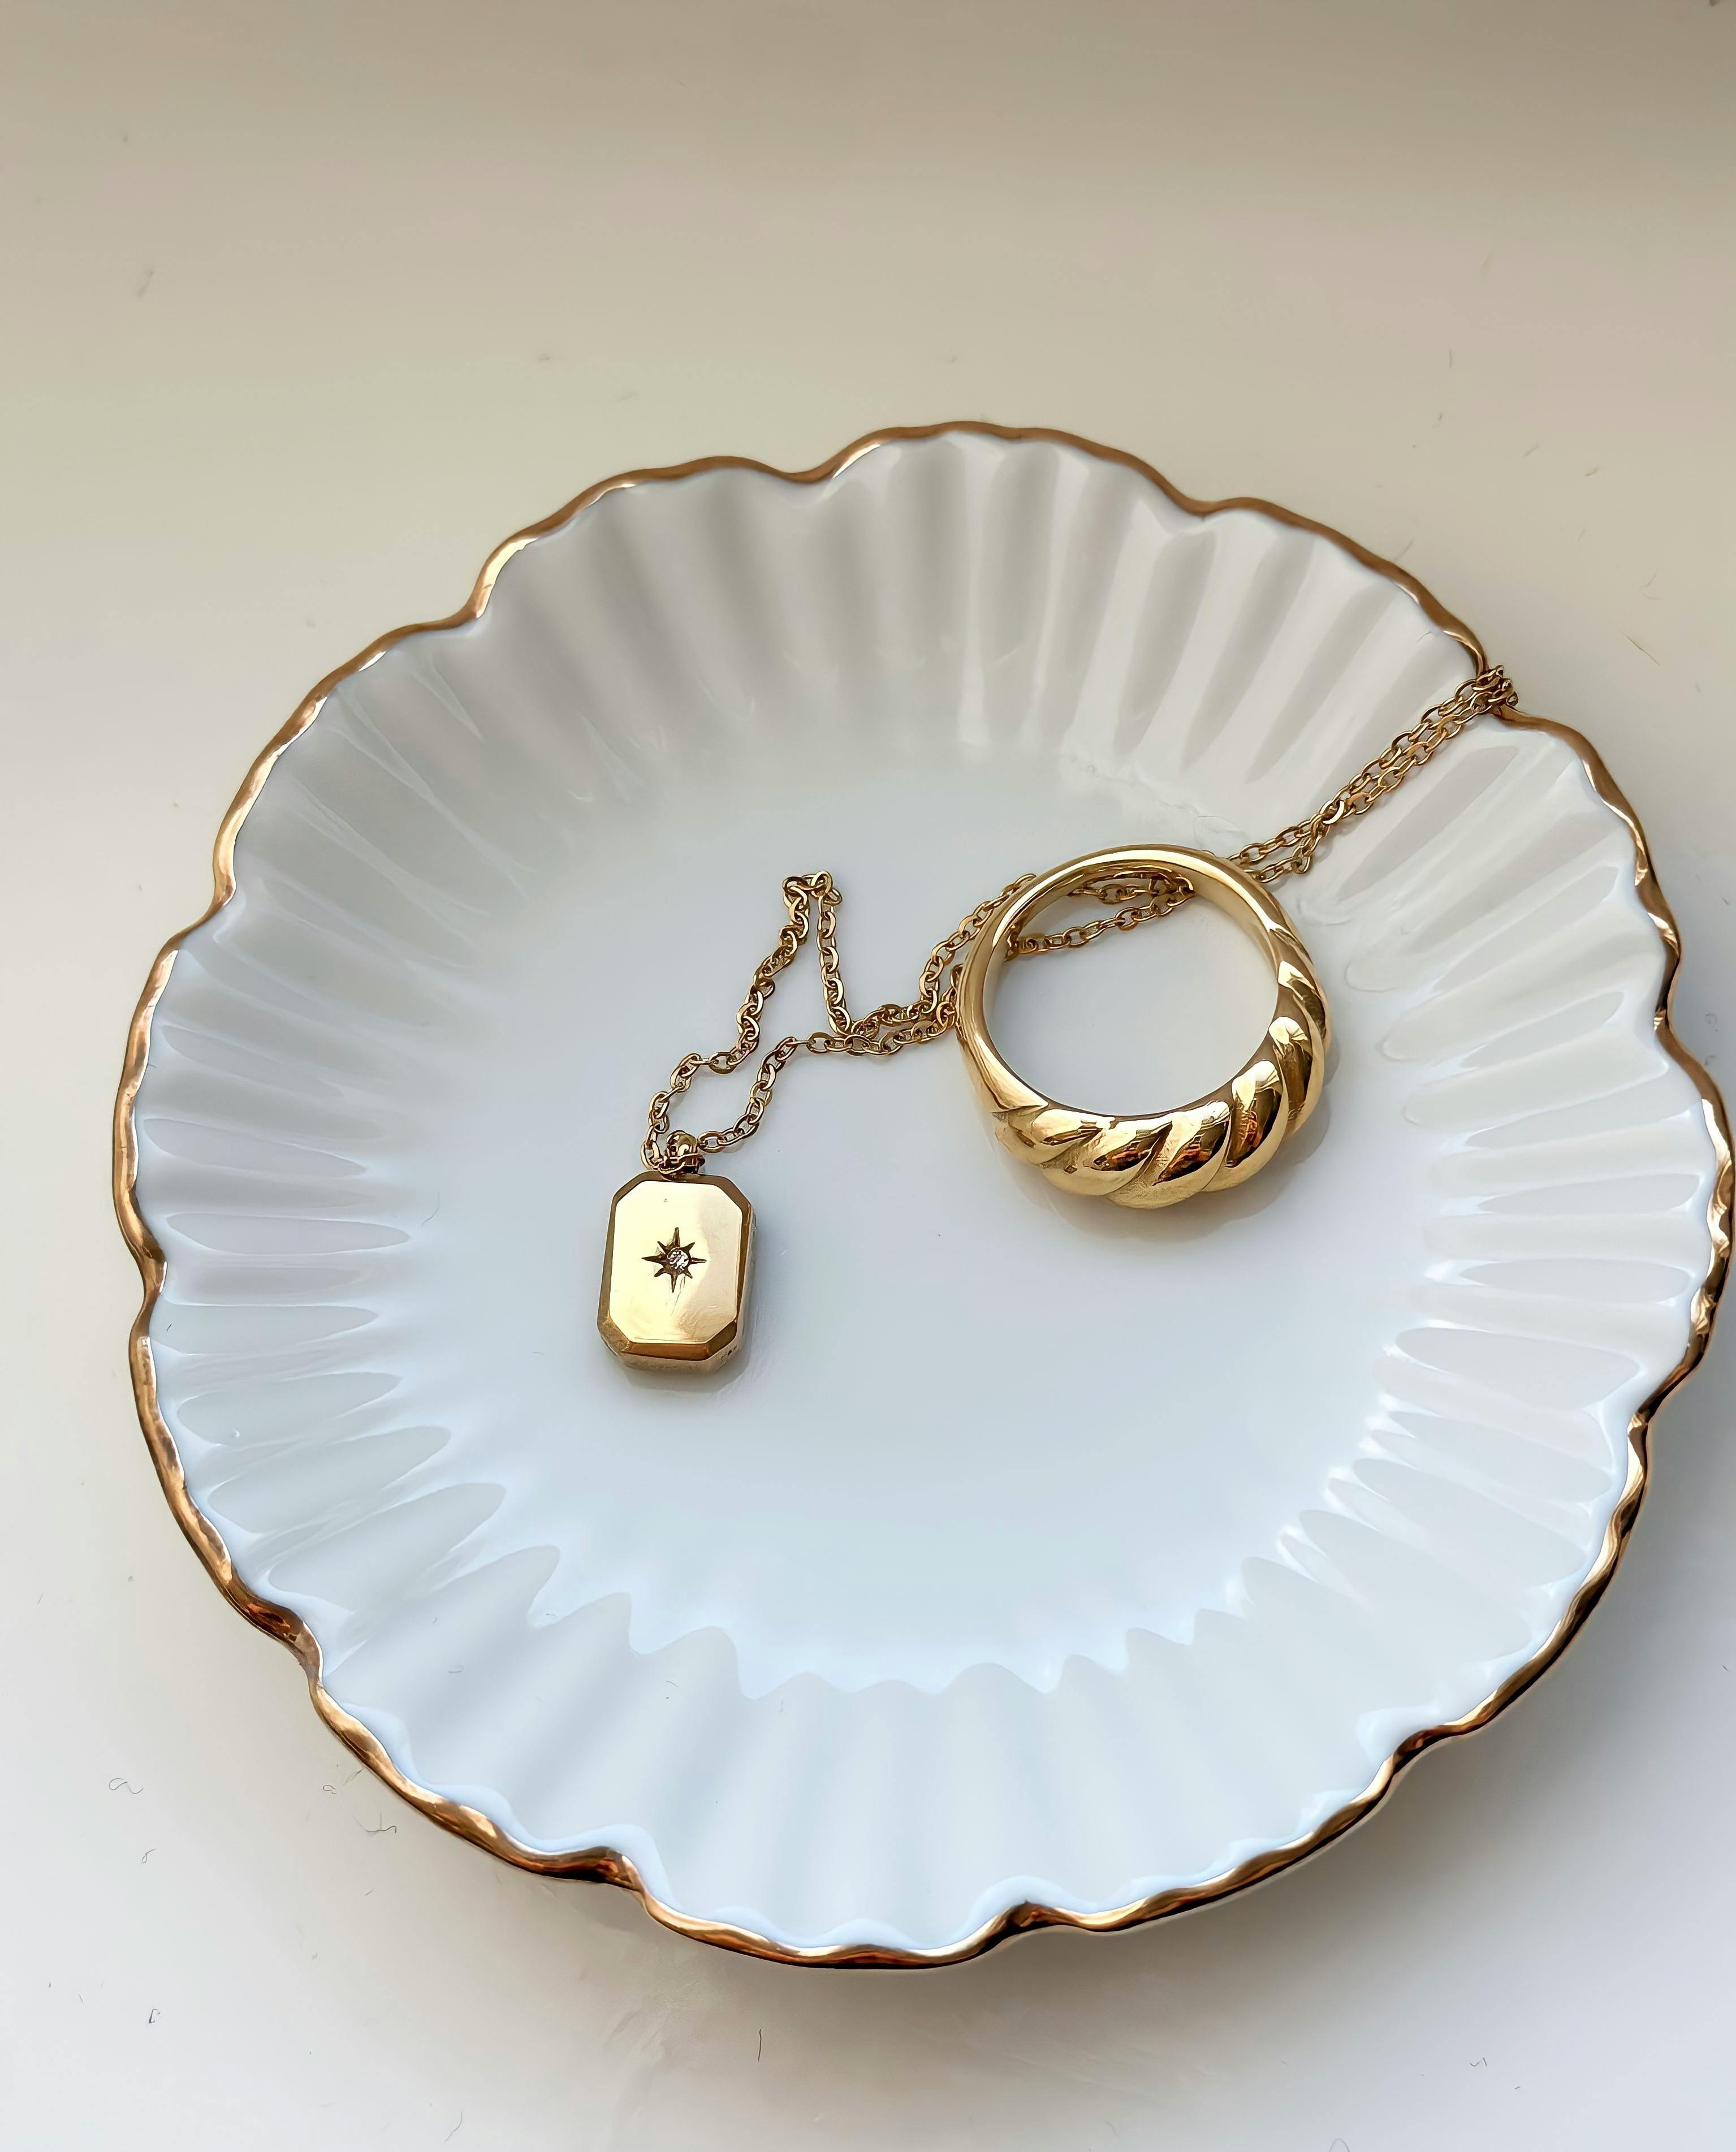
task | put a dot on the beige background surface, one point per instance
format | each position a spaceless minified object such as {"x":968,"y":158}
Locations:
{"x":305,"y":307}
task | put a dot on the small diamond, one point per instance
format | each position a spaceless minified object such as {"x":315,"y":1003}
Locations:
{"x":675,"y":1260}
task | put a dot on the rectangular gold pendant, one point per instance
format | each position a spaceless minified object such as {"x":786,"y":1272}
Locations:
{"x":675,"y":1272}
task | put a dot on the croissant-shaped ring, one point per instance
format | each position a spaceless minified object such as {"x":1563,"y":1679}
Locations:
{"x":1149,"y":1160}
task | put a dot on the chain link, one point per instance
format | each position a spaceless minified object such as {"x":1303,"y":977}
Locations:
{"x":811,"y":902}
{"x":1293,"y":850}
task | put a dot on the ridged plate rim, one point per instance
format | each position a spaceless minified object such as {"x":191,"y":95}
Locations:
{"x":603,"y":1863}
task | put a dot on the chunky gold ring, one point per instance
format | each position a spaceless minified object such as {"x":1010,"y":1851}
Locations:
{"x":1149,"y":1160}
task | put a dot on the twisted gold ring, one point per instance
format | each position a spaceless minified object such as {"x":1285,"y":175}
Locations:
{"x":1150,"y":1160}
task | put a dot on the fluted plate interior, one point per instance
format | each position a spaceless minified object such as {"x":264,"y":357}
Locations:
{"x":1032,"y":1552}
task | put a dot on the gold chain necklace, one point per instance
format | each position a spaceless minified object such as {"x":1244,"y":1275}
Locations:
{"x":676,"y":1267}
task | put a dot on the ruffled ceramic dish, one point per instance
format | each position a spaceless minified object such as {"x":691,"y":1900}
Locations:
{"x":1033,"y":1564}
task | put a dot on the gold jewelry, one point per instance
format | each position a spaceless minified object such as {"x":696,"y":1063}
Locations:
{"x":675,"y":1271}
{"x":689,"y":1314}
{"x":1150,"y":1161}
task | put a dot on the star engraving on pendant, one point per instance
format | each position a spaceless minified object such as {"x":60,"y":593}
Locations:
{"x":674,"y":1261}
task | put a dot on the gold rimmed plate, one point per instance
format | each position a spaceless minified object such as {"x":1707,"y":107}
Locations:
{"x":1015,"y":1575}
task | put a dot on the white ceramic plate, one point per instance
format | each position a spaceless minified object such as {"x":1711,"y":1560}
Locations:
{"x":1037,"y":1559}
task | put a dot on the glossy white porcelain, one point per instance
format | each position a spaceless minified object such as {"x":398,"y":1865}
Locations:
{"x":1032,"y":1552}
